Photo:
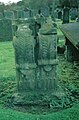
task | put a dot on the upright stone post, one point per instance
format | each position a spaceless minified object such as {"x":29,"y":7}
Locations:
{"x":47,"y":55}
{"x":65,"y":15}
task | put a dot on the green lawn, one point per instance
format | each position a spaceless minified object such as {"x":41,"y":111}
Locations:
{"x":7,"y":61}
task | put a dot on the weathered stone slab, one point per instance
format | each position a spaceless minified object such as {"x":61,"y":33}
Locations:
{"x":21,"y":14}
{"x":6,"y":30}
{"x":65,"y":15}
{"x":8,"y":14}
{"x":26,"y":14}
{"x":73,"y":13}
{"x":15,"y":14}
{"x":60,"y":14}
{"x":71,"y":32}
{"x":45,"y":11}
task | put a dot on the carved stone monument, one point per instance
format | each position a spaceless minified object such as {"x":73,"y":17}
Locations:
{"x":36,"y":66}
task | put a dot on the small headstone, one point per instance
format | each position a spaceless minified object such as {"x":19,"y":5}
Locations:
{"x":6,"y":30}
{"x":56,"y":14}
{"x":8,"y":14}
{"x":59,"y":14}
{"x":15,"y":14}
{"x":26,"y":14}
{"x":73,"y":14}
{"x":20,"y":14}
{"x":45,"y":11}
{"x":65,"y":15}
{"x":34,"y":12}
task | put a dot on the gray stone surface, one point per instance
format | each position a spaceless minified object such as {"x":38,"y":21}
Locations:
{"x":6,"y":30}
{"x":36,"y":65}
{"x":26,"y":14}
{"x":8,"y":14}
{"x":74,"y":13}
{"x":65,"y":15}
{"x":45,"y":11}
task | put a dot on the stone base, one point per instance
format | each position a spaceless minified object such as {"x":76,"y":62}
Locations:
{"x":36,"y":98}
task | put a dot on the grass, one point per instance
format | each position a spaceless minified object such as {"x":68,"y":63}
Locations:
{"x":69,"y":114}
{"x":7,"y":61}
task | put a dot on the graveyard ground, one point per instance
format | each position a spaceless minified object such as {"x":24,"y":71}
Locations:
{"x":68,"y":75}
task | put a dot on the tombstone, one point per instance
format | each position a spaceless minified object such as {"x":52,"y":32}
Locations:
{"x":45,"y":11}
{"x":9,"y":14}
{"x":59,"y":14}
{"x":36,"y":66}
{"x":20,"y":14}
{"x":73,"y":14}
{"x":56,"y":14}
{"x":35,"y":24}
{"x":33,"y":12}
{"x":65,"y":15}
{"x":26,"y":14}
{"x":6,"y":30}
{"x":15,"y":14}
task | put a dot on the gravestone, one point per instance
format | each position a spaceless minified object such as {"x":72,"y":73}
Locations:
{"x":6,"y":30}
{"x":8,"y":14}
{"x":36,"y":66}
{"x":56,"y":14}
{"x":34,"y":12}
{"x":73,"y":13}
{"x":45,"y":11}
{"x":26,"y":14}
{"x":59,"y":14}
{"x":15,"y":14}
{"x":20,"y":14}
{"x":65,"y":15}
